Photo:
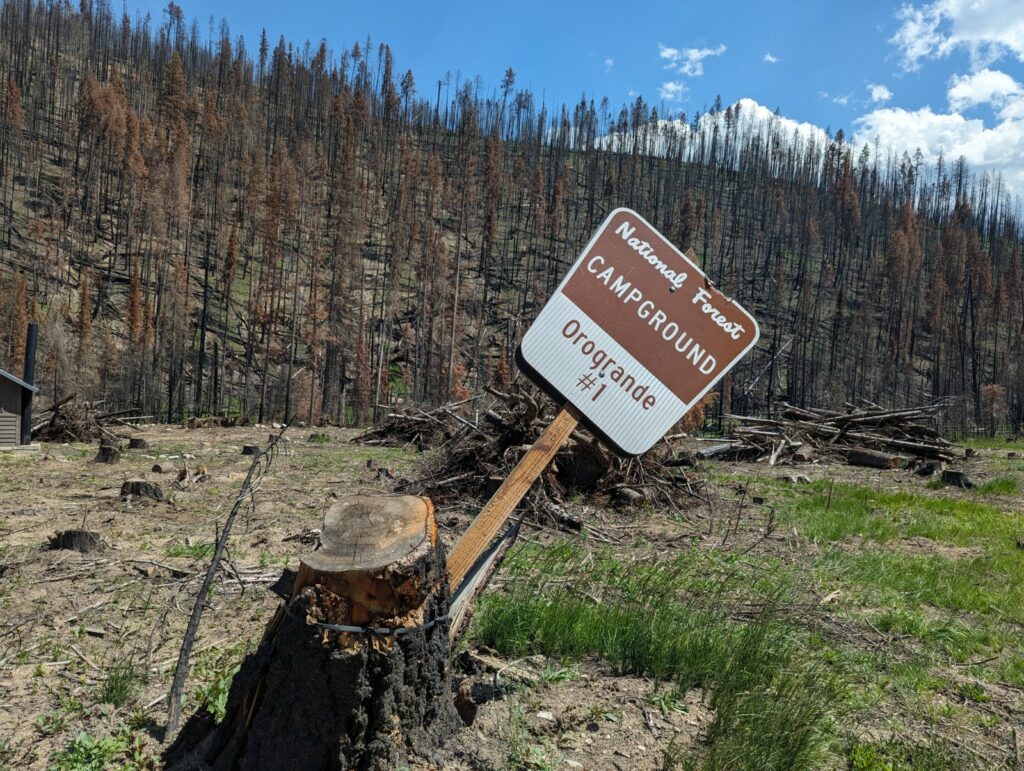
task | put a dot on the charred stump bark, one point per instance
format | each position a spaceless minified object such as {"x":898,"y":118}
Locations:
{"x":108,"y":453}
{"x":83,"y":541}
{"x":363,"y":696}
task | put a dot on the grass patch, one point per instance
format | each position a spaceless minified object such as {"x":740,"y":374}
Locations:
{"x":993,"y":443}
{"x":121,"y":684}
{"x":825,"y":512}
{"x":895,"y":755}
{"x":196,"y":551}
{"x":986,"y":585}
{"x":657,"y":619}
{"x":999,"y":486}
{"x":984,"y":577}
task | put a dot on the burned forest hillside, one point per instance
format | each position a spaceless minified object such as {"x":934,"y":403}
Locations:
{"x":267,"y":228}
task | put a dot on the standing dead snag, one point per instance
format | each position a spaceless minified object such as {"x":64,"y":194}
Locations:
{"x":352,"y":672}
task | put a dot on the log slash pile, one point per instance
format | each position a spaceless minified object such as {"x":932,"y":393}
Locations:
{"x":76,"y":420}
{"x":863,"y":436}
{"x":481,"y":439}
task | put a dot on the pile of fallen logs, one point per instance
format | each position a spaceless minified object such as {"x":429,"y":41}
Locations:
{"x":76,"y":420}
{"x":480,"y":440}
{"x":422,"y":429}
{"x":862,"y":436}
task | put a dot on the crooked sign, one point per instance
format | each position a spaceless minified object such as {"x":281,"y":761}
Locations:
{"x":635,"y":334}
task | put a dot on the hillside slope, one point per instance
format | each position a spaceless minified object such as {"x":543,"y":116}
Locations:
{"x":299,"y":231}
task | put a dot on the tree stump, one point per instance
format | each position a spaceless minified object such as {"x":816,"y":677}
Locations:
{"x":82,"y":541}
{"x":930,"y":468}
{"x":313,"y":697}
{"x":140,"y":488}
{"x":956,"y":479}
{"x":138,"y":443}
{"x":108,"y":453}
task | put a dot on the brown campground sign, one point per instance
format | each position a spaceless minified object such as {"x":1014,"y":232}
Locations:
{"x":635,"y":334}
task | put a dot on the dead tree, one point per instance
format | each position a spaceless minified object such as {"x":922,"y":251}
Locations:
{"x":352,"y":672}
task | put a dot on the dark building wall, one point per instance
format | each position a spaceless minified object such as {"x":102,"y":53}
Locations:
{"x":10,"y":396}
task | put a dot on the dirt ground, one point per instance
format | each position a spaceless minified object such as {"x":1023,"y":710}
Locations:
{"x":88,"y":641}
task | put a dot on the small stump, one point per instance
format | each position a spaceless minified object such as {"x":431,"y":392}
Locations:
{"x":930,"y":468}
{"x":313,"y":697}
{"x":250,"y":449}
{"x":162,"y":468}
{"x":138,"y":443}
{"x":82,"y":541}
{"x":956,"y":479}
{"x":108,"y":453}
{"x":140,"y":488}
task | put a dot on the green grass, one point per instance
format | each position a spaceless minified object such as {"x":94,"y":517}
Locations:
{"x":987,"y":585}
{"x":993,"y":443}
{"x":852,"y":510}
{"x":999,"y":486}
{"x":657,"y":619}
{"x":197,"y":551}
{"x":865,"y":533}
{"x":895,"y":755}
{"x":121,"y":684}
{"x":937,"y":582}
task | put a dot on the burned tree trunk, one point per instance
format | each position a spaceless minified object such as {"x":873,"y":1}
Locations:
{"x":352,"y":672}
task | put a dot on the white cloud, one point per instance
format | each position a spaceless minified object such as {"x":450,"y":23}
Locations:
{"x":688,"y":61}
{"x":608,"y":64}
{"x":984,"y":87}
{"x":841,"y":99}
{"x":999,"y":148}
{"x":879,"y":92}
{"x":671,"y":54}
{"x":987,"y":29}
{"x":673,"y":90}
{"x":918,"y":36}
{"x":769,"y":59}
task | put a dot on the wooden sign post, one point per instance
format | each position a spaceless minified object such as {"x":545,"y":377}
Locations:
{"x":501,"y":505}
{"x":630,"y":341}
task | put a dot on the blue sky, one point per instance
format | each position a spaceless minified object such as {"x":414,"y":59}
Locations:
{"x":945,"y":75}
